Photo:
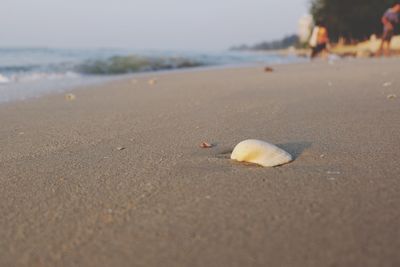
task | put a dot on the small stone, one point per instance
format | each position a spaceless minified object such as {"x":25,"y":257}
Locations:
{"x":392,"y":96}
{"x":268,"y":69}
{"x":206,"y":145}
{"x":70,"y":97}
{"x":121,"y":148}
{"x":152,"y":81}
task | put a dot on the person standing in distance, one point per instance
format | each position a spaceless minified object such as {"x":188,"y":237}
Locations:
{"x":389,"y":21}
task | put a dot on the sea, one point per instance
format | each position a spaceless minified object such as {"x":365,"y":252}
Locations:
{"x":33,"y":72}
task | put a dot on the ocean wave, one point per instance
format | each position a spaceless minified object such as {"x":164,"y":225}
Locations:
{"x":131,"y":64}
{"x":17,"y":68}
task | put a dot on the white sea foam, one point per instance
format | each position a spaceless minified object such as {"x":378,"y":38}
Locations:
{"x":3,"y":79}
{"x":30,"y":77}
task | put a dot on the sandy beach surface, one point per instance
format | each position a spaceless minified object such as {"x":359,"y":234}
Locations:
{"x":116,"y":177}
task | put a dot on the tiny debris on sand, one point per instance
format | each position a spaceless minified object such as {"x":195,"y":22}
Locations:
{"x":387,"y":84}
{"x":268,"y":69}
{"x":121,"y":148}
{"x":206,"y":145}
{"x":70,"y":97}
{"x":333,"y":172}
{"x":152,"y":81}
{"x":392,"y":96}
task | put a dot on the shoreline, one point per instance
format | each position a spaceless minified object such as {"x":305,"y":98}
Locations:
{"x":116,"y":177}
{"x":95,"y":81}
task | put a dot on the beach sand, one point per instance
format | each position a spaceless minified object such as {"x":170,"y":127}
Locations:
{"x":116,"y":177}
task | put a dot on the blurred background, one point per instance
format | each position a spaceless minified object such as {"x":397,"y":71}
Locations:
{"x":50,"y":45}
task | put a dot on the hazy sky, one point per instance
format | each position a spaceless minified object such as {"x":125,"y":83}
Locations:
{"x":147,"y":24}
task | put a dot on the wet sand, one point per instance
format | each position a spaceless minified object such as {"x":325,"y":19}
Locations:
{"x":116,"y":177}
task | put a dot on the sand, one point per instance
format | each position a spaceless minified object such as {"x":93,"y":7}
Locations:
{"x":116,"y":176}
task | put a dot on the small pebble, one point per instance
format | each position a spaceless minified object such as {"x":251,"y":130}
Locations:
{"x":152,"y":81}
{"x":268,"y":69}
{"x":120,"y":148}
{"x":206,"y":145}
{"x":70,"y":97}
{"x":392,"y":96}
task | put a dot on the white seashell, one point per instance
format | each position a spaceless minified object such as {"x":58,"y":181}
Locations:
{"x":261,"y":153}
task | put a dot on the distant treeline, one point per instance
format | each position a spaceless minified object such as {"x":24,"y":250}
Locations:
{"x":288,"y":41}
{"x":353,"y":20}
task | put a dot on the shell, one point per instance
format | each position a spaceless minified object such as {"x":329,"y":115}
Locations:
{"x":261,"y":153}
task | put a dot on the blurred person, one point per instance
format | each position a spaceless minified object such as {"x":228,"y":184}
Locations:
{"x":389,"y":20}
{"x":319,"y":40}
